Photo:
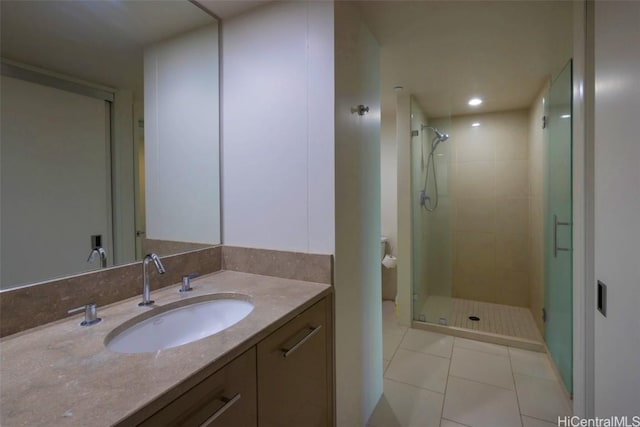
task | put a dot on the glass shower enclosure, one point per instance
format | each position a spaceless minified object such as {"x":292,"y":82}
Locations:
{"x":431,"y":199}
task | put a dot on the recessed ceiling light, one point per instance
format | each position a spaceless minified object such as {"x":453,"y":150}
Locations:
{"x":475,"y":125}
{"x":565,"y":116}
{"x":474,"y":102}
{"x":398,"y":88}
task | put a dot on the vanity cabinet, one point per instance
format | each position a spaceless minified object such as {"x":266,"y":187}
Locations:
{"x":225,"y":399}
{"x":295,"y":372}
{"x":285,"y":380}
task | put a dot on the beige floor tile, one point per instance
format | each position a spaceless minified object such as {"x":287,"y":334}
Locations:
{"x":388,"y":311}
{"x":485,"y":347}
{"x":419,"y":369}
{"x":534,"y":422}
{"x":428,"y":342}
{"x":390,"y":343}
{"x":531,"y":363}
{"x":385,"y":365}
{"x":481,"y":367}
{"x":449,"y":423}
{"x":391,"y":325}
{"x":394,"y":327}
{"x":480,"y":405}
{"x":403,"y":405}
{"x":541,"y":398}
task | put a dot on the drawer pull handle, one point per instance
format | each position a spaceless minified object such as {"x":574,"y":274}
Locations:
{"x":312,"y":332}
{"x":228,"y":403}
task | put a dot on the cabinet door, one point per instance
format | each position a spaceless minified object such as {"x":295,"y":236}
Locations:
{"x":225,"y":399}
{"x":295,"y":372}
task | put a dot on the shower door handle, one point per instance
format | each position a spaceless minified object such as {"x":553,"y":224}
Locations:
{"x":556,"y":223}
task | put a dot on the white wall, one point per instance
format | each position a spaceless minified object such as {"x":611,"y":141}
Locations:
{"x":277,"y":127}
{"x":357,"y":263}
{"x":290,"y":182}
{"x":182,"y":138}
{"x":55,"y":181}
{"x":617,"y":207}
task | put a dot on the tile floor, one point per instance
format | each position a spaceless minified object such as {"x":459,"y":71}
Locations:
{"x":438,"y":380}
{"x":494,"y":318}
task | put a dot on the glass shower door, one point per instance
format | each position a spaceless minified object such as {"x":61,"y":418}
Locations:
{"x":432,"y":253}
{"x":558,"y":327}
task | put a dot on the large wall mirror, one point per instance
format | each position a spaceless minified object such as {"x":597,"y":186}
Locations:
{"x":109,"y":134}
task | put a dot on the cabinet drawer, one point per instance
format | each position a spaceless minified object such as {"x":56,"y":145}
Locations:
{"x":226,"y":398}
{"x":294,"y":372}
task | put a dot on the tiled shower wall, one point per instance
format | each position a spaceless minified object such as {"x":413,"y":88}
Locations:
{"x":491,"y":192}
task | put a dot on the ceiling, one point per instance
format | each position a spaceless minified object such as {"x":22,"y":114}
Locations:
{"x":98,"y":41}
{"x":442,"y":52}
{"x":225,"y":9}
{"x":445,"y":52}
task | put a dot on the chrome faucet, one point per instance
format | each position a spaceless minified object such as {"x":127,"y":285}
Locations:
{"x":101,"y":253}
{"x":146,"y":297}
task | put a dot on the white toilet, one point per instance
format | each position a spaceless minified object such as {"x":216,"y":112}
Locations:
{"x":387,"y":260}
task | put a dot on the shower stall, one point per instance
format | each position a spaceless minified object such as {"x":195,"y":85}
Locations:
{"x":491,"y":223}
{"x":464,"y":279}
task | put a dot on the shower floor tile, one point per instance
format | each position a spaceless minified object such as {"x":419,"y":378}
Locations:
{"x":494,"y":318}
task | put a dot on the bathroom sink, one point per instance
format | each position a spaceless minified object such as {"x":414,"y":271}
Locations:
{"x":179,"y":323}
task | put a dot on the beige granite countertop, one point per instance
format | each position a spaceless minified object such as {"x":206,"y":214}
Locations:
{"x":62,"y":374}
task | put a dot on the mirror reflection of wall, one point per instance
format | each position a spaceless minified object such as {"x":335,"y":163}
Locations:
{"x":181,"y":138}
{"x":74,"y":134}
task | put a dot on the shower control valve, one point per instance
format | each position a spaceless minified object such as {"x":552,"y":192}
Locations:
{"x":424,"y":198}
{"x":360,"y":109}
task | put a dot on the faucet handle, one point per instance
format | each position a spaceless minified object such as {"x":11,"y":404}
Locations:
{"x":186,"y":282}
{"x":90,"y":314}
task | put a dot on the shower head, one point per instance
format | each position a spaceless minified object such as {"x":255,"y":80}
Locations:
{"x":441,"y":137}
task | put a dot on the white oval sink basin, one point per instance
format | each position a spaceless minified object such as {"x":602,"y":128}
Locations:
{"x":179,"y":323}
